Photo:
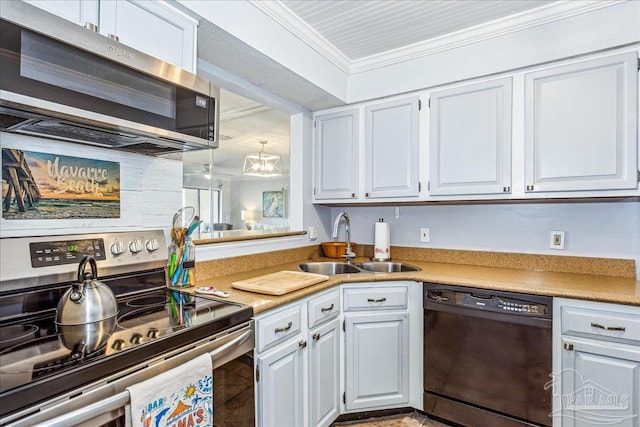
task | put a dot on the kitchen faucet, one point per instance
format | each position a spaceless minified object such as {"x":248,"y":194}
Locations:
{"x":349,"y":253}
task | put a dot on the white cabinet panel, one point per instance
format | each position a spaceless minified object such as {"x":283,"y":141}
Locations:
{"x":79,"y":11}
{"x":152,"y":27}
{"x":600,"y":384}
{"x":596,"y":378}
{"x":470,"y":139}
{"x":581,"y":126}
{"x":278,"y":327}
{"x":392,"y":148}
{"x":377,"y":359}
{"x":336,"y":155}
{"x":280,"y":388}
{"x":324,"y":374}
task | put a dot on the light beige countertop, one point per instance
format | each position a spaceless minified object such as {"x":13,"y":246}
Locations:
{"x":604,"y":288}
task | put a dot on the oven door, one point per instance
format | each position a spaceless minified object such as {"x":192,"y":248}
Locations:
{"x":103,"y":404}
{"x":485,"y":369}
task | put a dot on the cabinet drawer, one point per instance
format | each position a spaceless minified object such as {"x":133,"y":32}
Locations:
{"x":277,"y":327}
{"x":601,"y":324}
{"x":323,"y":307}
{"x":383,"y":298}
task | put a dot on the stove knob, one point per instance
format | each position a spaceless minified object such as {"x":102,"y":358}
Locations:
{"x":152,"y":245}
{"x":135,"y":246}
{"x":117,"y":248}
{"x":118,"y":345}
{"x":135,"y":339}
{"x":153,"y":333}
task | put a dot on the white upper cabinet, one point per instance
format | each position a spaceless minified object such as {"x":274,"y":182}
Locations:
{"x":470,"y":139}
{"x":336,"y":155}
{"x":392,"y":149}
{"x":82,"y":12}
{"x":581,"y":126}
{"x":153,"y":27}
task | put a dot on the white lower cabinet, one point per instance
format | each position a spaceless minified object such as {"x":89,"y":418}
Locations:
{"x":596,"y":376}
{"x":324,"y":374}
{"x":298,"y":363}
{"x":280,"y":386}
{"x":376,"y":347}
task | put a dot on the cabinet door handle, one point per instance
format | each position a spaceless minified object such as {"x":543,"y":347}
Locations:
{"x":607,"y":328}
{"x":302,"y":344}
{"x":383,"y":299}
{"x":324,"y":309}
{"x":316,"y":337}
{"x":284,"y":329}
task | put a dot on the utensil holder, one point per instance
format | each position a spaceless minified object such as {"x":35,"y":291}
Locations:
{"x":182,"y":264}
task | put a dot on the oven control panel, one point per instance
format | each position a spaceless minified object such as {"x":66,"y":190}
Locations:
{"x":43,"y":260}
{"x":44,"y":254}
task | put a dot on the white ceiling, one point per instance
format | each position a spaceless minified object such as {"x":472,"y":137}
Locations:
{"x":360,"y":29}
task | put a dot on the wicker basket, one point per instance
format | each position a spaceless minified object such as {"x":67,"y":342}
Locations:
{"x":336,"y":249}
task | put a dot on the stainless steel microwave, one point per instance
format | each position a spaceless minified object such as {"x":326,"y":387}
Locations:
{"x":65,"y":82}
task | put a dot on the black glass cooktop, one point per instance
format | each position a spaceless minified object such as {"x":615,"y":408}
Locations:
{"x":35,"y":354}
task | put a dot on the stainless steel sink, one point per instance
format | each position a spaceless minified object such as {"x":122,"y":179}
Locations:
{"x":386,"y":267}
{"x":329,"y":268}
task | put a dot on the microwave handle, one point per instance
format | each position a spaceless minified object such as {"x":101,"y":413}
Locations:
{"x":122,"y":399}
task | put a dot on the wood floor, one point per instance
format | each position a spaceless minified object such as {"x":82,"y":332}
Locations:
{"x":413,"y":419}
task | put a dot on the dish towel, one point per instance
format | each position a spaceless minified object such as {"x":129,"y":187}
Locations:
{"x":182,"y":396}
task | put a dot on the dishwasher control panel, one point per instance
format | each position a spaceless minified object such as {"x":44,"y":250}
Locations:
{"x":488,"y":300}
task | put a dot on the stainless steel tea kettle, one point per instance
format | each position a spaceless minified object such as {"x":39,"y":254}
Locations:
{"x":86,"y":313}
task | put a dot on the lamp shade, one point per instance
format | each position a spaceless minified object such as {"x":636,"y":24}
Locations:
{"x":248,"y":215}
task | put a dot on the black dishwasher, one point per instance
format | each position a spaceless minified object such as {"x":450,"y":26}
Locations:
{"x":487,"y":356}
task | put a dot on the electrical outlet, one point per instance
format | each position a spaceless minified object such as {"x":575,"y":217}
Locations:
{"x":424,"y":235}
{"x":557,"y":240}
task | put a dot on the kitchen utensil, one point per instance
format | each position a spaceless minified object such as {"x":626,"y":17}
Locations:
{"x":86,"y":313}
{"x":183,"y":217}
{"x":211,"y":290}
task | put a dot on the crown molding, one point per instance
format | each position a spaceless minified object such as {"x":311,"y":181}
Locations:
{"x":500,"y":27}
{"x":299,"y":28}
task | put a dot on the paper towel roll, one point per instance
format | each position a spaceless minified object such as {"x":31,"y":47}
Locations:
{"x":381,"y":246}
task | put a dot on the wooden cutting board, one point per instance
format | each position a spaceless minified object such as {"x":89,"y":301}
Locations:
{"x":280,"y":283}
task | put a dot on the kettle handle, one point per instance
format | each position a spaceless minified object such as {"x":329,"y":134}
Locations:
{"x":94,"y":268}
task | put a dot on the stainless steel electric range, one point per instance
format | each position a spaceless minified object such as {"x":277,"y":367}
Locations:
{"x":44,"y":378}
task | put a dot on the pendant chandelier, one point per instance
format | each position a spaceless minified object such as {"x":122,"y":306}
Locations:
{"x":262,"y":164}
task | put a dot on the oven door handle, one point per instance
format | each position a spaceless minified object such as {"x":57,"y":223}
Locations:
{"x":121,"y":399}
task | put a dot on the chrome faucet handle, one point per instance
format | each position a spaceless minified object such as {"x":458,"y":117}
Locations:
{"x":349,"y":255}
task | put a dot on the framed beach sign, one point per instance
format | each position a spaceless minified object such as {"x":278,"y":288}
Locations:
{"x":51,"y":186}
{"x":273,"y":205}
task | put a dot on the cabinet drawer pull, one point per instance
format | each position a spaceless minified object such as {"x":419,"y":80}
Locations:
{"x":316,"y":337}
{"x":607,"y":328}
{"x":383,"y":299}
{"x":286,"y":328}
{"x":323,"y":309}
